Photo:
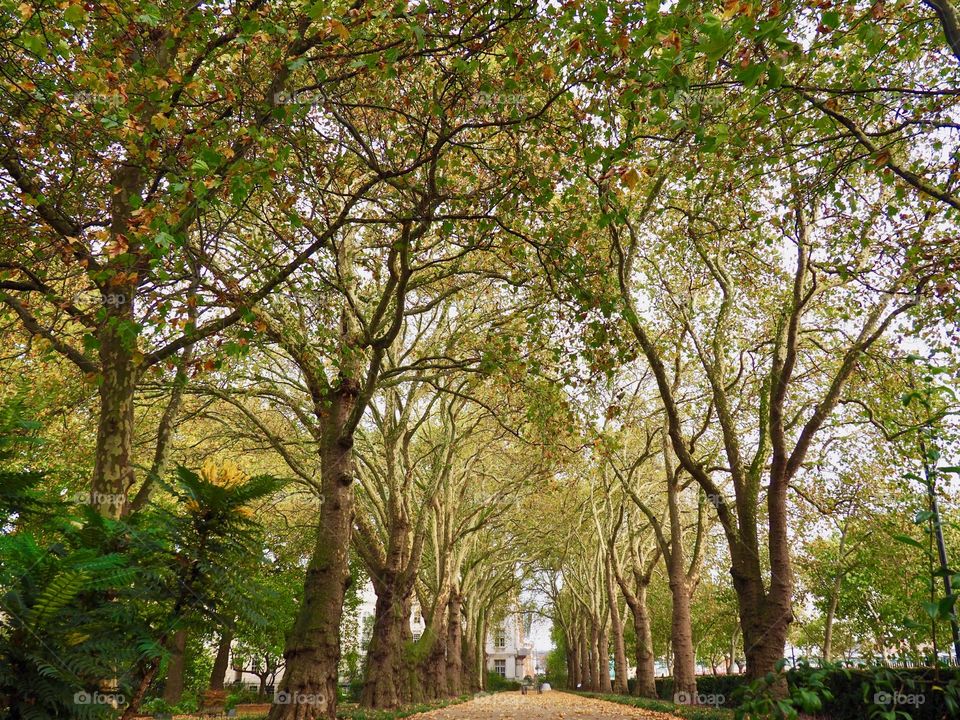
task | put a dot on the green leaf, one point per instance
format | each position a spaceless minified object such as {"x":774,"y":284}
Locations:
{"x":751,"y":74}
{"x":75,"y":15}
{"x":831,"y":19}
{"x":907,"y":540}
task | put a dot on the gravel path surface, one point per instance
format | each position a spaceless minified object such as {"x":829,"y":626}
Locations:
{"x":552,"y":705}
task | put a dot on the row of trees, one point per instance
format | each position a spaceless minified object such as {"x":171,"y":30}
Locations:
{"x":403,"y":250}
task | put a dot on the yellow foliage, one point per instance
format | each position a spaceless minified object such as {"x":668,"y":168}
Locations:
{"x":227,"y":474}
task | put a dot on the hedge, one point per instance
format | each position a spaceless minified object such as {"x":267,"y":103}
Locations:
{"x":688,"y":712}
{"x":922,"y":691}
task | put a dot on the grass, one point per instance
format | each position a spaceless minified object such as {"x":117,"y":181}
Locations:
{"x":353,"y":712}
{"x":689,"y":712}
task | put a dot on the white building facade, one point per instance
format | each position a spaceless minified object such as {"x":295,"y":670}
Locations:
{"x":510,"y":654}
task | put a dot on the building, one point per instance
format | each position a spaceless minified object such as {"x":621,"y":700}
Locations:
{"x":510,"y":653}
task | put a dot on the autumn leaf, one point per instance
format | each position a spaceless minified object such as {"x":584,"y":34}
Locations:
{"x":160,"y":121}
{"x":630,"y":178}
{"x":339,"y":29}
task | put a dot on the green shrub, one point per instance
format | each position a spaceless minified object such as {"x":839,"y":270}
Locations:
{"x":356,"y":713}
{"x":715,"y":685}
{"x":87,"y":598}
{"x":240,"y":695}
{"x":662,"y":706}
{"x":496,"y":683}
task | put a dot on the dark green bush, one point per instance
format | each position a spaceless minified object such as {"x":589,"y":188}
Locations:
{"x":712,"y":685}
{"x":662,"y":706}
{"x":495,"y":683}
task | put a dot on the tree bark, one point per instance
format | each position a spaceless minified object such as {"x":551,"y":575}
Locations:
{"x":222,"y":662}
{"x":586,"y":676}
{"x":482,"y":629}
{"x":382,"y":683}
{"x":113,"y":457}
{"x":312,"y":653}
{"x":573,"y":664}
{"x":596,"y":665}
{"x":435,"y":676}
{"x":681,"y":635}
{"x":645,"y":685}
{"x":454,"y":645}
{"x":603,"y":660}
{"x":173,"y":687}
{"x":620,"y":684}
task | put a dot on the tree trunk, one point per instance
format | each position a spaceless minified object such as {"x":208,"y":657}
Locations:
{"x":620,"y":684}
{"x":574,"y":672}
{"x":165,"y":430}
{"x":586,"y":674}
{"x":113,"y":457}
{"x":684,"y":664}
{"x":733,"y":650}
{"x":469,"y":649}
{"x":646,"y":672}
{"x":173,"y":687}
{"x":569,"y":659}
{"x":828,"y":622}
{"x":603,"y":660}
{"x":596,"y":667}
{"x":222,"y":662}
{"x":435,"y":677}
{"x":834,"y":600}
{"x":482,"y":629}
{"x":454,"y":645}
{"x":312,"y":653}
{"x":765,"y":618}
{"x":411,"y":685}
{"x":382,"y":669}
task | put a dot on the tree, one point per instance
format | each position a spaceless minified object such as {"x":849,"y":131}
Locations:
{"x":129,"y":145}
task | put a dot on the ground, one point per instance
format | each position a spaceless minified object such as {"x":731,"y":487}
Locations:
{"x":550,"y":705}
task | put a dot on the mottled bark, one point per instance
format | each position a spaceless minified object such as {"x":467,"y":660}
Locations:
{"x":574,"y":673}
{"x":616,"y":631}
{"x":681,"y":633}
{"x":603,"y":659}
{"x":586,"y":674}
{"x":312,"y":654}
{"x":645,"y":685}
{"x":113,"y":456}
{"x":382,"y":683}
{"x":455,"y":680}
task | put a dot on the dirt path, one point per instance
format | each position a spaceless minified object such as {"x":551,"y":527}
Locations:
{"x":551,"y":705}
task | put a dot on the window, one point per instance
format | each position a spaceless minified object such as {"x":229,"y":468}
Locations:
{"x":417,"y":617}
{"x":499,"y":640}
{"x":417,"y":636}
{"x":500,"y":667}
